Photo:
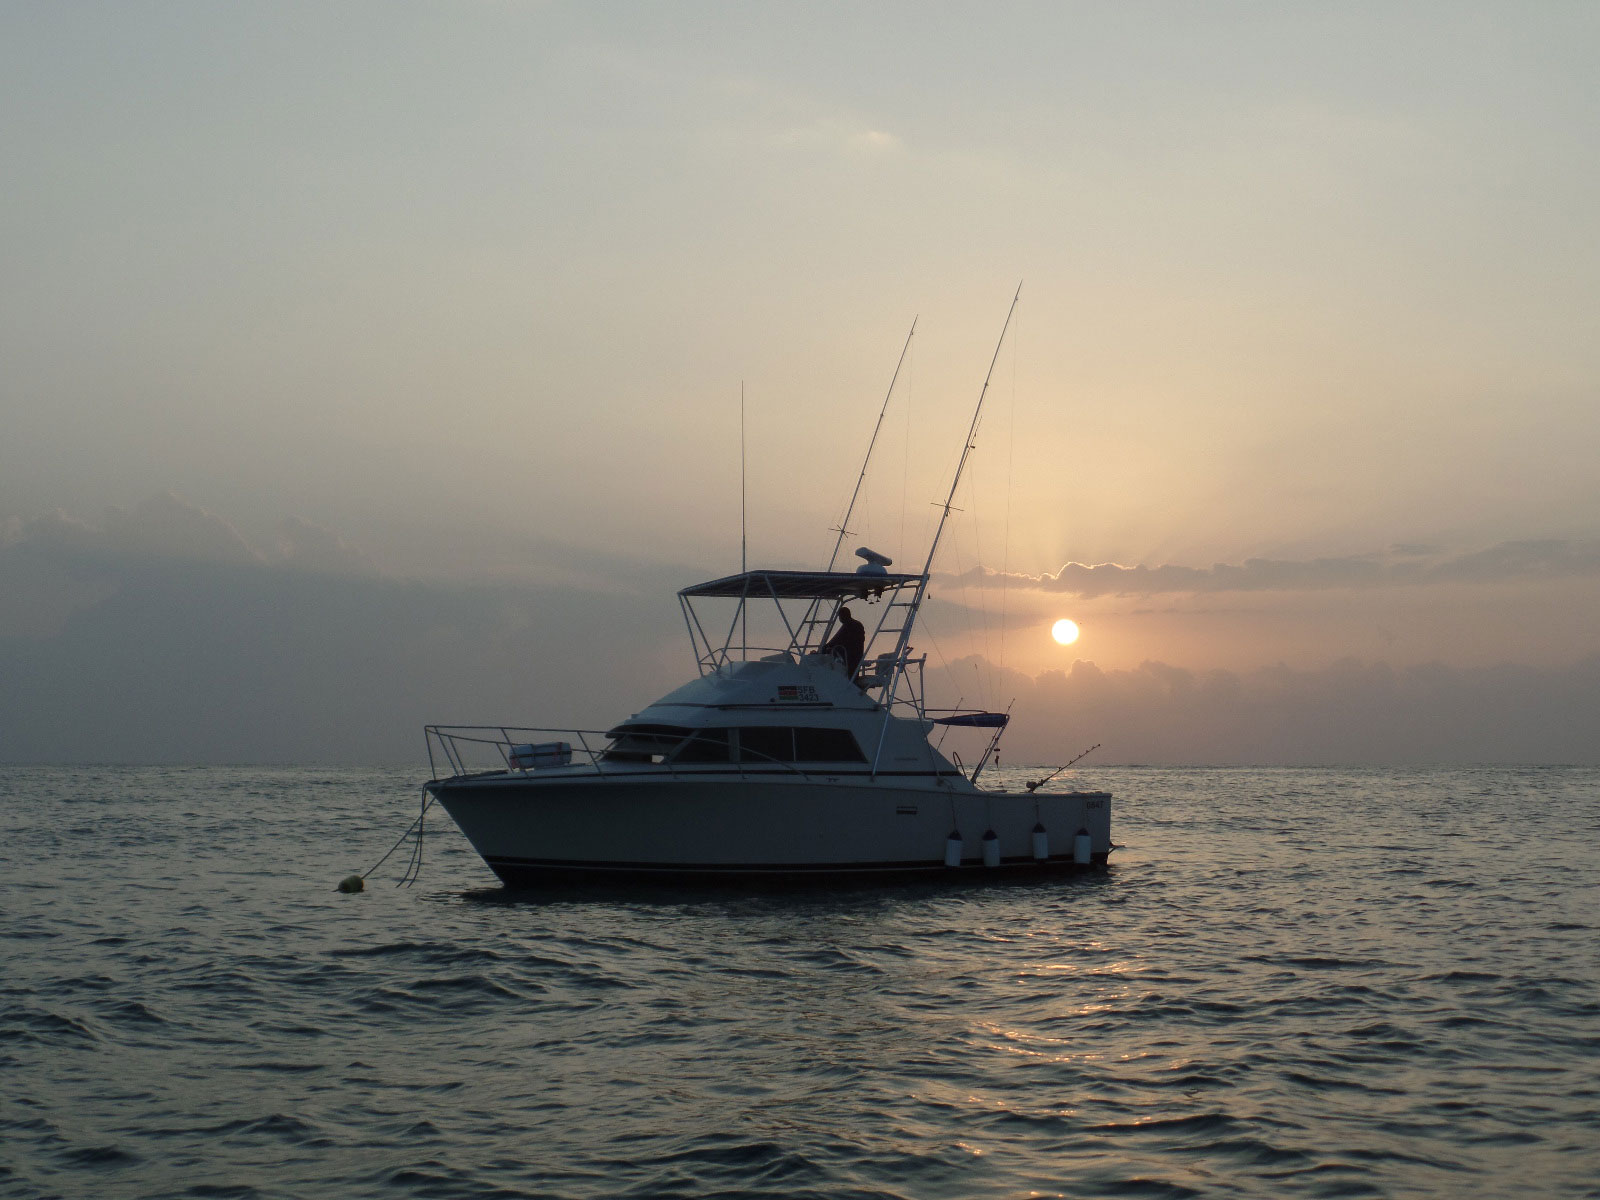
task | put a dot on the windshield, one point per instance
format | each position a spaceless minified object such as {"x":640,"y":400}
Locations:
{"x":643,"y":743}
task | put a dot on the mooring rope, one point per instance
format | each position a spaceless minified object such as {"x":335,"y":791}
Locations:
{"x":414,"y":867}
{"x":413,"y":870}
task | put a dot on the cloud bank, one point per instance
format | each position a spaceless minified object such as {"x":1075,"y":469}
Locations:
{"x":162,"y":634}
{"x":169,"y":529}
{"x":1402,"y":566}
{"x":1350,"y":712}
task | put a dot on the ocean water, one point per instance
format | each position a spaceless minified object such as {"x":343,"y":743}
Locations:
{"x":1288,"y":983}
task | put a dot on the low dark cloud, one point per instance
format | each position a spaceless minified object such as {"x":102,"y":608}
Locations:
{"x":1350,"y":712}
{"x":167,"y":529}
{"x":164,"y":636}
{"x":1400,"y":566}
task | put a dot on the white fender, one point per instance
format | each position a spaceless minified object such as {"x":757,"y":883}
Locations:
{"x":1083,"y":848}
{"x":952,"y":849}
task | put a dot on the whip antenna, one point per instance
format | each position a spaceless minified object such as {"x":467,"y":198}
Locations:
{"x":744,"y":556}
{"x":844,"y":525}
{"x":744,"y":543}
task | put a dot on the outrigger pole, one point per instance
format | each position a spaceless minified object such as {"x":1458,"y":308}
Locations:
{"x":915,"y":606}
{"x":966,"y":451}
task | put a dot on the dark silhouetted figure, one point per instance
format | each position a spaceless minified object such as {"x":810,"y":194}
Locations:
{"x":849,"y":642}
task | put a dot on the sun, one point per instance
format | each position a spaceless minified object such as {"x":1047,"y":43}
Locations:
{"x":1065,"y":631}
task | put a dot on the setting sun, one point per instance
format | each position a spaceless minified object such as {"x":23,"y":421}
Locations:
{"x":1065,"y":631}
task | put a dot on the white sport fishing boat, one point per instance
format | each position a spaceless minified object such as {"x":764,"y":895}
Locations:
{"x":789,"y":761}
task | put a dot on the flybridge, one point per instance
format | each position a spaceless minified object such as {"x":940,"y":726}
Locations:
{"x":806,"y":605}
{"x":824,"y":593}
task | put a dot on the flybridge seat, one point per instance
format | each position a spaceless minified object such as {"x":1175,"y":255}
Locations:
{"x":875,"y":672}
{"x":800,"y":585}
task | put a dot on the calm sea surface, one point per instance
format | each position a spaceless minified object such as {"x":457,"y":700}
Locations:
{"x":1289,"y":983}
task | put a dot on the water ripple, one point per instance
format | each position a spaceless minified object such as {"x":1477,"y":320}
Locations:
{"x":1292,"y":983}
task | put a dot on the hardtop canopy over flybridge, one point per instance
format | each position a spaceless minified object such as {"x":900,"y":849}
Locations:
{"x":801,"y":585}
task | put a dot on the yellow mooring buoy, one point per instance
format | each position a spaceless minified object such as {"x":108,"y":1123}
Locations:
{"x":352,"y":883}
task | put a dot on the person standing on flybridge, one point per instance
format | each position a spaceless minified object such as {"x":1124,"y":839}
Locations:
{"x":849,"y":643}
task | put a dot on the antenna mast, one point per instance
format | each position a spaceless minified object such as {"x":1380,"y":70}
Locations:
{"x":744,"y":556}
{"x":844,"y":525}
{"x":744,"y":543}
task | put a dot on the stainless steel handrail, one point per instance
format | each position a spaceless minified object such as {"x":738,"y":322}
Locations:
{"x":447,"y":736}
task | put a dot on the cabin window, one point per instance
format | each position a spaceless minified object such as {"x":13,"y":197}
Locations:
{"x":643,"y":743}
{"x":704,"y":746}
{"x":767,"y":743}
{"x":826,"y":745}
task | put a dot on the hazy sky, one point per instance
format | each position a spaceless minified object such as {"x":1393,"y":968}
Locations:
{"x":373,"y":363}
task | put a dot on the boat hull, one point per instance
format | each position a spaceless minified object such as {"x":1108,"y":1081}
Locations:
{"x":533,"y":830}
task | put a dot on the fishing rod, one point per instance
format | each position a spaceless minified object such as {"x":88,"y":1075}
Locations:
{"x":1037,"y":784}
